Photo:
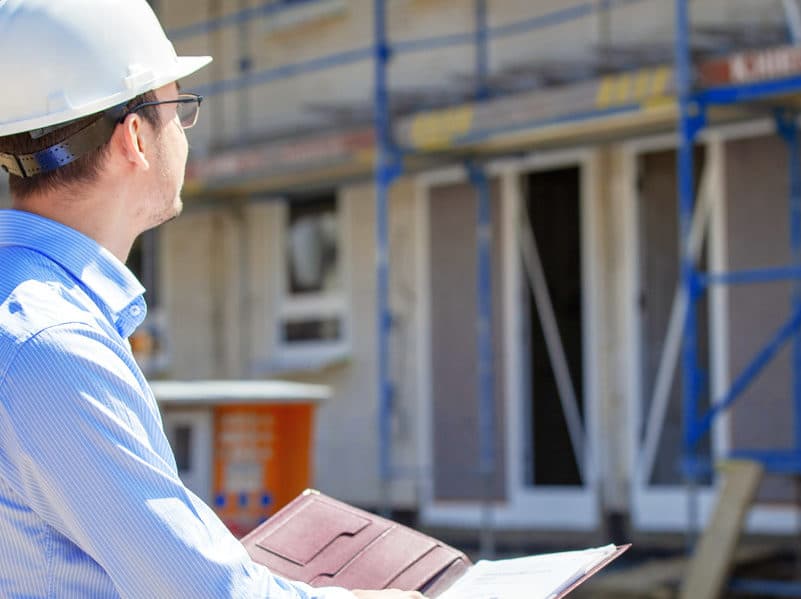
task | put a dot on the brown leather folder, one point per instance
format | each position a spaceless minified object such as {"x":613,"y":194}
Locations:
{"x":324,"y":542}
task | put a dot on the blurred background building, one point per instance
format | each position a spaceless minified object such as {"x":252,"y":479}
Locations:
{"x":565,"y":113}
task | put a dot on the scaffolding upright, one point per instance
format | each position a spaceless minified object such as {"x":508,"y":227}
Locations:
{"x":388,"y":166}
{"x":694,"y":105}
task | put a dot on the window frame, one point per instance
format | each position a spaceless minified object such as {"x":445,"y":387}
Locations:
{"x":313,"y":306}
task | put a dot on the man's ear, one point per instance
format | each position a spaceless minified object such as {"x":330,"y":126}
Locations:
{"x":132,"y":140}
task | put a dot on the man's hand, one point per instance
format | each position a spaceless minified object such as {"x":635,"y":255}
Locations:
{"x":388,"y":594}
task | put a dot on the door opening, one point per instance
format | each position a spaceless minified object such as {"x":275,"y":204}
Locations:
{"x":553,"y":203}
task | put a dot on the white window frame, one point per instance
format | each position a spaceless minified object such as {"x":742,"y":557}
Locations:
{"x":542,"y":507}
{"x":665,"y":508}
{"x":313,"y":354}
{"x":200,"y":421}
{"x":653,"y":507}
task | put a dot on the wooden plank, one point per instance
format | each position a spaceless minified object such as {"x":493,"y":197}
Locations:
{"x":712,"y":560}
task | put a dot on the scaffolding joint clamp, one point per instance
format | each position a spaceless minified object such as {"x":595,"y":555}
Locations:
{"x":695,"y":117}
{"x":475,"y":172}
{"x":786,"y":120}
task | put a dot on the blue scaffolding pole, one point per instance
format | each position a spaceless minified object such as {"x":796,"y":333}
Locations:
{"x":692,"y":119}
{"x":236,"y":18}
{"x":787,"y":126}
{"x":486,"y":374}
{"x":484,"y":329}
{"x":388,"y":168}
{"x":690,"y":122}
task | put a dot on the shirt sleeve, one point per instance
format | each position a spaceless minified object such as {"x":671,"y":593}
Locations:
{"x":88,"y":451}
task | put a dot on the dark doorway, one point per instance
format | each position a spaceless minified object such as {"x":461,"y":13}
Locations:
{"x":553,"y":200}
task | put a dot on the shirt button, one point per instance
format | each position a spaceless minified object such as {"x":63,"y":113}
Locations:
{"x":135,"y":310}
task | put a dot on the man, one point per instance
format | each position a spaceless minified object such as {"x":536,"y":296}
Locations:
{"x":92,"y":135}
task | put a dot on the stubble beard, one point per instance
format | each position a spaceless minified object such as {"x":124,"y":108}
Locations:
{"x":170,"y":205}
{"x":168,"y":210}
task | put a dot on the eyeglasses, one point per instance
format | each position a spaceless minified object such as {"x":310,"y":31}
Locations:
{"x":90,"y":137}
{"x":188,"y":108}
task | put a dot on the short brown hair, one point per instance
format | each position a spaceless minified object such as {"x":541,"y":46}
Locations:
{"x":84,"y":170}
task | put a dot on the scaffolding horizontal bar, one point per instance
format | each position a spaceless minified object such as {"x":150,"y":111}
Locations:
{"x":236,"y":18}
{"x":551,"y":19}
{"x":433,"y":43}
{"x":558,"y":17}
{"x":525,"y":26}
{"x":774,"y":460}
{"x":287,"y":70}
{"x":765,"y":588}
{"x":750,"y":92}
{"x":765,"y":275}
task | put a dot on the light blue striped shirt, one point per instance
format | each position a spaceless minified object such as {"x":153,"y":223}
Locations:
{"x":90,"y":500}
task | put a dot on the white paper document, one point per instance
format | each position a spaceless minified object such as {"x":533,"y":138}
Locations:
{"x":532,"y":577}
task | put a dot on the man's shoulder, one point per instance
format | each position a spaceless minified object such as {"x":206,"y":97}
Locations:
{"x":36,"y":295}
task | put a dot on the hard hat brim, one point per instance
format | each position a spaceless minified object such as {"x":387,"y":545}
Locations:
{"x":182,"y":67}
{"x":188,"y":65}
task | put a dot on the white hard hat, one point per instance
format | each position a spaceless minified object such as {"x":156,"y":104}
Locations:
{"x":64,"y":59}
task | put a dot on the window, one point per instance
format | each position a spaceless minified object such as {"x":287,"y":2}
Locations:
{"x":182,"y":447}
{"x":313,"y":246}
{"x":148,"y":342}
{"x":312,"y":313}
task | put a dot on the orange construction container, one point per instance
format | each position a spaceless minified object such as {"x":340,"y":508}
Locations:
{"x":245,"y":447}
{"x":262,"y":460}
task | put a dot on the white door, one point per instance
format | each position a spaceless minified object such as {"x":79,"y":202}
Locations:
{"x":552,"y":451}
{"x":661,"y":498}
{"x":190,"y":435}
{"x":546,"y":436}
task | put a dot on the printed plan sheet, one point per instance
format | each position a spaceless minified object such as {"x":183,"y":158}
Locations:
{"x":533,"y":577}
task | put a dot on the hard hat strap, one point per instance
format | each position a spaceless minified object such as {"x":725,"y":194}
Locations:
{"x":81,"y":143}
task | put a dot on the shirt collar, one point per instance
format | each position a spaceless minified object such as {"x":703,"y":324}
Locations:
{"x":86,"y":260}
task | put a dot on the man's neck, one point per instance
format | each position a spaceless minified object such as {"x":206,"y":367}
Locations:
{"x":97,"y":215}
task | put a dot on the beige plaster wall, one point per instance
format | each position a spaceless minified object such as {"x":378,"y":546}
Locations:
{"x":615,"y":451}
{"x":347,"y":441}
{"x":220,"y":270}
